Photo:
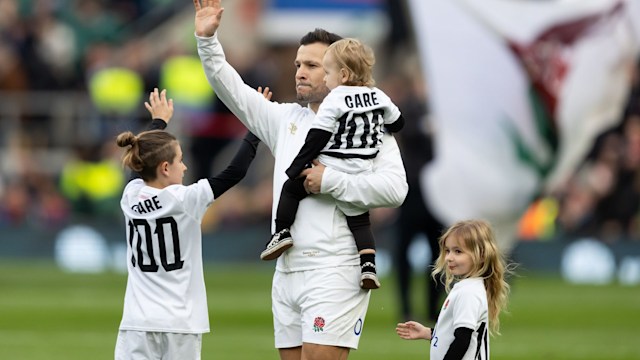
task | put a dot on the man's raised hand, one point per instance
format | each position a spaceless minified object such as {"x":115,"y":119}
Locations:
{"x":208,"y":16}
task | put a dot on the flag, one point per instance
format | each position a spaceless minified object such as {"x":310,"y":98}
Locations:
{"x":519,"y":90}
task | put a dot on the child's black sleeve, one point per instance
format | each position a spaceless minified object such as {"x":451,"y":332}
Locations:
{"x":157,"y":124}
{"x":237,"y":168}
{"x":396,"y":125}
{"x":316,"y":140}
{"x":460,"y":344}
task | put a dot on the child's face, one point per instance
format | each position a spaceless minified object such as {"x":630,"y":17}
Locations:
{"x":332,"y":73}
{"x":177,"y":167}
{"x":458,"y":259}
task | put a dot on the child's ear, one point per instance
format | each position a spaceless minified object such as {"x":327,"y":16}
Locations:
{"x":344,"y":75}
{"x":163,"y":168}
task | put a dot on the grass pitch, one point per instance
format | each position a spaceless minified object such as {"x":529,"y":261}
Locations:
{"x":48,"y":314}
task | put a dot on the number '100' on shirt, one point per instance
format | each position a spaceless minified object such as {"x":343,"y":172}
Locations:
{"x":164,"y":257}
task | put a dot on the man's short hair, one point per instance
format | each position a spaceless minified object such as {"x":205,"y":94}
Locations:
{"x":321,"y":36}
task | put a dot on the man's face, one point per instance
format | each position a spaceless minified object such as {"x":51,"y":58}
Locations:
{"x":310,"y":86}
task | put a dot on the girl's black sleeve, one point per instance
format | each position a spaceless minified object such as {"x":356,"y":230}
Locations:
{"x":238,"y":167}
{"x":157,"y":124}
{"x":460,"y":344}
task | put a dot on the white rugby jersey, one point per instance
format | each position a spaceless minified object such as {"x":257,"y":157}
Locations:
{"x":165,"y":287}
{"x":355,"y":115}
{"x":465,"y":306}
{"x":322,"y":237}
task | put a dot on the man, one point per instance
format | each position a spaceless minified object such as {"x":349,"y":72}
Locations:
{"x":317,"y":303}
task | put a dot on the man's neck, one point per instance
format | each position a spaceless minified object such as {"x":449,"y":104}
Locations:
{"x":314,"y":107}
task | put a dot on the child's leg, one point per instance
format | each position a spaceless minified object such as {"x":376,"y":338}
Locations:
{"x":360,"y":227}
{"x":292,"y":192}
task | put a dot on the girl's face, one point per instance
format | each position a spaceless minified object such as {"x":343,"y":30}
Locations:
{"x":333,"y":75}
{"x":177,"y":168}
{"x":458,"y":259}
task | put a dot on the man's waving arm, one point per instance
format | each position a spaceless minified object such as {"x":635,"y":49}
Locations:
{"x":260,"y":116}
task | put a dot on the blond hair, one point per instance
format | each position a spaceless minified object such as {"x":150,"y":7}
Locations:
{"x":356,"y":58}
{"x":146,"y":151}
{"x":477,"y":238}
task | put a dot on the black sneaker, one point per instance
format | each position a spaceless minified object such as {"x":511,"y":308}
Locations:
{"x":368,"y":278}
{"x":279,"y":242}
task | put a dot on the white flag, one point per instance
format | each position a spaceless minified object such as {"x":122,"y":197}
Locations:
{"x":519,"y":90}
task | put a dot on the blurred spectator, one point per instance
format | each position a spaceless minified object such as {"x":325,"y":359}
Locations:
{"x":48,"y":45}
{"x":93,"y":21}
{"x":28,"y":193}
{"x":50,"y":50}
{"x":414,"y":220}
{"x":92,"y":182}
{"x":14,"y":207}
{"x":619,"y":205}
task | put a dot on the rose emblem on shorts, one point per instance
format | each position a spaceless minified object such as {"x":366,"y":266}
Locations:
{"x":318,"y":324}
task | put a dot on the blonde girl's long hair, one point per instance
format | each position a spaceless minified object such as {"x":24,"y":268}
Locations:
{"x":146,"y":151}
{"x":478,"y":239}
{"x":357,"y":58}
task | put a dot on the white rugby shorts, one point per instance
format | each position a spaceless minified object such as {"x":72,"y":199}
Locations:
{"x":324,"y":306}
{"x":142,"y":345}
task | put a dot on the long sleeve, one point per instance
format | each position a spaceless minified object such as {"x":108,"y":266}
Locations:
{"x":261,"y":116}
{"x":396,"y":126}
{"x":460,"y":344}
{"x":385,"y":187}
{"x":237,"y":168}
{"x":314,"y":143}
{"x":157,"y":124}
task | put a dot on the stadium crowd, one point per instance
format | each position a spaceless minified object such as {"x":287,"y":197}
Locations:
{"x":49,"y":180}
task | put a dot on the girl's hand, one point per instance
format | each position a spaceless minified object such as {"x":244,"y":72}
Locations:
{"x":266,"y":92}
{"x":412,"y":330}
{"x":159,"y":106}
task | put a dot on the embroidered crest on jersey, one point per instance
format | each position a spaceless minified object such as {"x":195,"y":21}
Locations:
{"x":446,"y":303}
{"x":318,"y":324}
{"x":293,"y":128}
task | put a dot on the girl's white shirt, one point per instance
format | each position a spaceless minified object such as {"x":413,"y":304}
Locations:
{"x":465,"y":306}
{"x":165,"y":287}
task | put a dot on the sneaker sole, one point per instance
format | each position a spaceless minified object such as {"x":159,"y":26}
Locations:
{"x":276,"y":251}
{"x":369,"y":283}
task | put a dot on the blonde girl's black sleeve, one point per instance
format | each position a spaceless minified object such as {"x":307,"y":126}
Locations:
{"x":460,"y":344}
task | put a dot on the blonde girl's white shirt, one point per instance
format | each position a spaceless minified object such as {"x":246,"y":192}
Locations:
{"x":165,"y":287}
{"x":322,"y":237}
{"x":465,"y":306}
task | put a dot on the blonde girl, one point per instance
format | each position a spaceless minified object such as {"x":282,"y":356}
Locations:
{"x":473,"y":271}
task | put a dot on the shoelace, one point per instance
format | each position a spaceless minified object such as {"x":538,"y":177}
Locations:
{"x":368,"y":264}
